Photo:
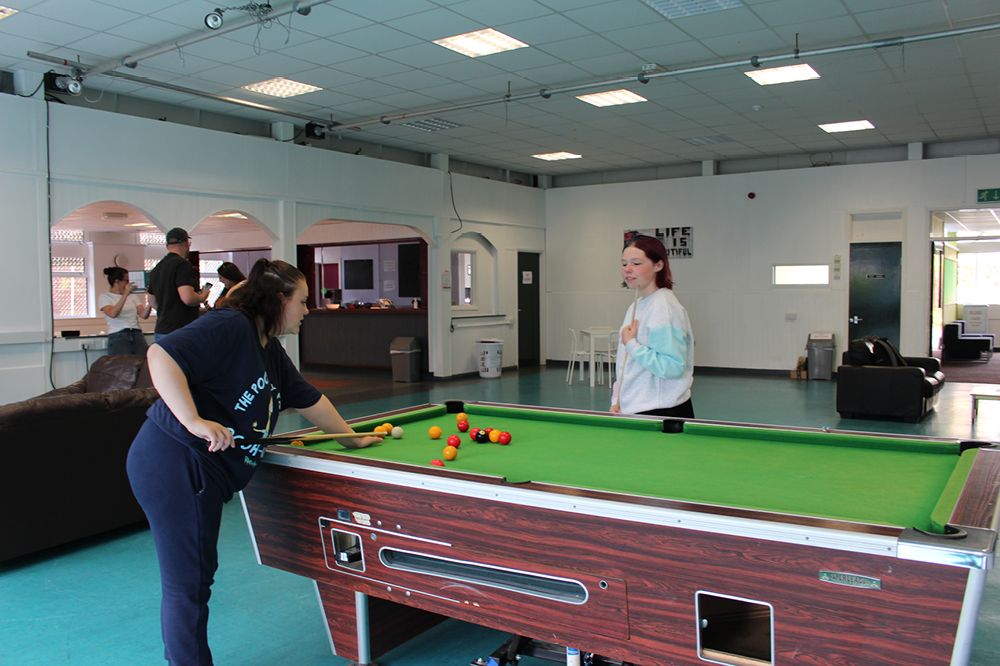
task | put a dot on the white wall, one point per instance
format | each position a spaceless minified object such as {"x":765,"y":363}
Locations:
{"x":797,"y":217}
{"x":178,"y":176}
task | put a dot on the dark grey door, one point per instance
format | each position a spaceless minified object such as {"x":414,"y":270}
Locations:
{"x":528,"y":310}
{"x":876,"y":281}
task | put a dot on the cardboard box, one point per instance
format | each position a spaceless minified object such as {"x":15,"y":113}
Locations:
{"x":799,"y":374}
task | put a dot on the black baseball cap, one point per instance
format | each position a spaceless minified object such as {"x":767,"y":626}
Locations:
{"x":177,"y":235}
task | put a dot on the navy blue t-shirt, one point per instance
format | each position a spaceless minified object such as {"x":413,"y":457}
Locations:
{"x":235,"y":382}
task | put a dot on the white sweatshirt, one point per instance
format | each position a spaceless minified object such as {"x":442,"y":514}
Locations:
{"x":659,"y":369}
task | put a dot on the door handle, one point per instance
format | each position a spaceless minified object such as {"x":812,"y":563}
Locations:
{"x":855,"y":319}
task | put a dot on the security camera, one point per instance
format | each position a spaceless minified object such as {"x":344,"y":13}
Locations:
{"x":304,"y":11}
{"x":214,"y":19}
{"x":69,"y":84}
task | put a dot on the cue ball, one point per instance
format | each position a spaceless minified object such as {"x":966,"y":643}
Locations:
{"x":434,"y":432}
{"x":504,"y":437}
{"x":449,"y":453}
{"x":454,"y":440}
{"x":397,"y":433}
{"x":463,"y":426}
{"x":482,"y":437}
{"x":437,"y":463}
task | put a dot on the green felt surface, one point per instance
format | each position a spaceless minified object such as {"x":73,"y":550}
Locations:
{"x":866,"y":479}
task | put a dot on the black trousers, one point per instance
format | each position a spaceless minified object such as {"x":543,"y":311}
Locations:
{"x":685,"y":410}
{"x":184,"y":508}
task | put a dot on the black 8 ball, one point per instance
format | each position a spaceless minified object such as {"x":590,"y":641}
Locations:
{"x":482,"y":436}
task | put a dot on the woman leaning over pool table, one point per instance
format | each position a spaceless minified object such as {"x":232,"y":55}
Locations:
{"x":222,"y":379}
{"x":655,"y":352}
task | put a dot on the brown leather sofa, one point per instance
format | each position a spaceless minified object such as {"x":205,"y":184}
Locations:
{"x":63,"y":473}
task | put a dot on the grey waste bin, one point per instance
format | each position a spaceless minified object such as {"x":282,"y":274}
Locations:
{"x":820,"y":350}
{"x":405,"y":356}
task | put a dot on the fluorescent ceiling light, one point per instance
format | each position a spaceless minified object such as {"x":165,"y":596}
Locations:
{"x":115,"y":215}
{"x":852,"y":126}
{"x":6,"y":11}
{"x":480,"y":43}
{"x":680,"y":8}
{"x":558,"y":156}
{"x":140,"y":224}
{"x":280,"y":87}
{"x":612,"y":98}
{"x":431,"y":124}
{"x":768,"y":77}
{"x":707,"y":140}
{"x":238,"y":216}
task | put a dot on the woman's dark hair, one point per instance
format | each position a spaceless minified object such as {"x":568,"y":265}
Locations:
{"x":115,"y":273}
{"x":653,"y":249}
{"x":263,"y":296}
{"x":231,"y":271}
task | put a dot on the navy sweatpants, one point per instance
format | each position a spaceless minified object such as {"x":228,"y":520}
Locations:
{"x":184,"y":508}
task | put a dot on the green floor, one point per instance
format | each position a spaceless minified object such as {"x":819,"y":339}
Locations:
{"x":96,"y":602}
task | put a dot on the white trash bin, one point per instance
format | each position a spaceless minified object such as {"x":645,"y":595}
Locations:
{"x":490,"y":353}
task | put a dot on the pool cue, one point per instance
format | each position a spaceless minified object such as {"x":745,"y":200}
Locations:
{"x":284,"y":439}
{"x":635,"y":303}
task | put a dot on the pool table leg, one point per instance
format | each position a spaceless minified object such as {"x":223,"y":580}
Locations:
{"x":967,"y":621}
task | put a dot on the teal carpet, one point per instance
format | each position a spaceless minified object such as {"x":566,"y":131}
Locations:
{"x":96,"y":602}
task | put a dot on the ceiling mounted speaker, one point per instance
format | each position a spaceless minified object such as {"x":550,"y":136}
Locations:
{"x":214,"y":19}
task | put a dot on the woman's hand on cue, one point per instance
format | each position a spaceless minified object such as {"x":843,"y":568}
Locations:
{"x":360,"y":442}
{"x":219,"y":437}
{"x":628,"y":333}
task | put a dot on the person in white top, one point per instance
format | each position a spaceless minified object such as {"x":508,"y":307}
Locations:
{"x":122,"y":313}
{"x":656,"y":351}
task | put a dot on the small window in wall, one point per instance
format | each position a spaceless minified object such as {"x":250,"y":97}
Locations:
{"x":69,"y":288}
{"x":786,"y":275}
{"x":462,"y":273}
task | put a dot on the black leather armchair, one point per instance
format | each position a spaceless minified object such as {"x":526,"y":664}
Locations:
{"x":885,"y":392}
{"x":63,"y":474}
{"x":957,"y":345}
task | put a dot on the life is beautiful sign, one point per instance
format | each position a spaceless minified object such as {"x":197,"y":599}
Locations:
{"x":679,"y":241}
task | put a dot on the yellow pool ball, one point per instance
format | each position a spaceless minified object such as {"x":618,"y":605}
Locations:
{"x":494,"y":436}
{"x":449,"y":453}
{"x":461,"y":416}
{"x":434,"y":432}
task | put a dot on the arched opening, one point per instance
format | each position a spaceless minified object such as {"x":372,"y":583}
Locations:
{"x":227,"y":237}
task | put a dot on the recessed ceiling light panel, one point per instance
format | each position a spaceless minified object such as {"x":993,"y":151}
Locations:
{"x":431,"y":124}
{"x":281,"y":87}
{"x":674,"y":9}
{"x":480,"y":43}
{"x":852,"y":126}
{"x":708,"y":140}
{"x":612,"y":98}
{"x":6,"y":11}
{"x":768,"y":77}
{"x":550,"y":157}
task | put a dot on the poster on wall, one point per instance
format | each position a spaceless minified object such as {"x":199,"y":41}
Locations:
{"x":679,"y":241}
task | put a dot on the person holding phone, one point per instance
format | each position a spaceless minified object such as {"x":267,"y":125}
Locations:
{"x":173,"y":286}
{"x":122,"y":314}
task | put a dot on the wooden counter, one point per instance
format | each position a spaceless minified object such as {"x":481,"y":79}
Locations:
{"x":359,"y":338}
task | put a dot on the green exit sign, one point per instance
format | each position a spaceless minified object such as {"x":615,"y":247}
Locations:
{"x":986,"y":196}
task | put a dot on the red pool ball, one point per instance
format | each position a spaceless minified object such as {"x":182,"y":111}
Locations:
{"x":504,"y":437}
{"x":472,"y":434}
{"x":463,"y":426}
{"x":437,"y":463}
{"x":454,"y":440}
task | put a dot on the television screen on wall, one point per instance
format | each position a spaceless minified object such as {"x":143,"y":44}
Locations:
{"x":359,"y":274}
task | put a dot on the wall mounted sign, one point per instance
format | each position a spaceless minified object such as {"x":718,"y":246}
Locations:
{"x":986,"y":196}
{"x":527,"y":277}
{"x":678,"y":241}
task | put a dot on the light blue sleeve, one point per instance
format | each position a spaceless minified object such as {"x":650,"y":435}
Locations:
{"x":664,"y":353}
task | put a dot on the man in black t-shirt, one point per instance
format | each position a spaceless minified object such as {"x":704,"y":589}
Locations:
{"x":173,"y":286}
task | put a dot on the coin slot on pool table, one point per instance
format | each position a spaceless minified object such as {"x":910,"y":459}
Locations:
{"x":347,"y":552}
{"x":734,"y":631}
{"x":525,"y":582}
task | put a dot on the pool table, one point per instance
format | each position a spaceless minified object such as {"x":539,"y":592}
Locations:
{"x":641,"y":539}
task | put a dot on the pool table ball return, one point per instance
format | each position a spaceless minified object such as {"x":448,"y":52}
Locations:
{"x":640,"y":539}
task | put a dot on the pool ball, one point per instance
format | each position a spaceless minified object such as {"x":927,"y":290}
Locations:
{"x":504,"y":437}
{"x":397,"y":433}
{"x":297,"y":442}
{"x":379,"y":429}
{"x":449,"y":453}
{"x":482,"y":437}
{"x":463,"y":426}
{"x":437,"y":463}
{"x":461,"y":416}
{"x":434,"y":432}
{"x":494,"y":436}
{"x":387,"y":427}
{"x":472,"y":434}
{"x":454,"y":440}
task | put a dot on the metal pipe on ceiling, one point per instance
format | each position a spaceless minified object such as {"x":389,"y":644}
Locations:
{"x":194,"y":38}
